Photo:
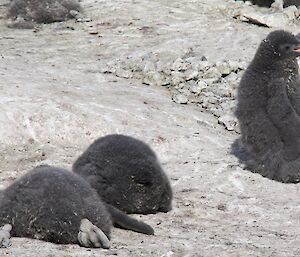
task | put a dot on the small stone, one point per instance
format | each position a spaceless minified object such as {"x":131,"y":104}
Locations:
{"x":149,"y":66}
{"x":79,"y":16}
{"x":216,"y":110}
{"x":228,"y":121}
{"x":184,"y":90}
{"x":177,"y":77}
{"x":221,"y":89}
{"x":212,"y":72}
{"x":213,"y":100}
{"x":211,"y":81}
{"x":83,"y":19}
{"x":74,"y":13}
{"x":194,"y":99}
{"x":179,"y":65}
{"x":236,"y":65}
{"x":154,"y":79}
{"x":291,"y":12}
{"x":237,"y":129}
{"x":203,"y":65}
{"x":208,"y":99}
{"x":233,"y":80}
{"x":180,"y":99}
{"x":191,"y":74}
{"x":179,"y":86}
{"x":195,"y":60}
{"x":123,"y":73}
{"x":187,"y":204}
{"x":224,"y":68}
{"x":201,"y":85}
{"x":195,"y":89}
{"x":222,"y":207}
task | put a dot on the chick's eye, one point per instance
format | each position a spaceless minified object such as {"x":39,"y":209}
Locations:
{"x":286,"y":47}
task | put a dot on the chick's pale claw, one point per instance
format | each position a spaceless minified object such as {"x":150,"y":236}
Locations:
{"x":5,"y":236}
{"x":91,"y":236}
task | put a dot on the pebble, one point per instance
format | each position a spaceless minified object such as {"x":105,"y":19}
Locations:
{"x":180,"y":99}
{"x":228,"y":121}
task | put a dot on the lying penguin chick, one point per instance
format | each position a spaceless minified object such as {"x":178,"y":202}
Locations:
{"x":268,"y":3}
{"x":262,"y":3}
{"x":269,"y":106}
{"x":55,"y":205}
{"x":287,"y":3}
{"x":126,"y":173}
{"x":43,"y":11}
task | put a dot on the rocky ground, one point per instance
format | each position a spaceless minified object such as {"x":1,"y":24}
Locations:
{"x":123,"y":69}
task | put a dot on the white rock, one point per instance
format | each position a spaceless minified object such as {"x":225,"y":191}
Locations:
{"x":212,"y":72}
{"x":201,"y":84}
{"x":191,"y":74}
{"x":177,"y":77}
{"x":155,"y":78}
{"x":229,"y":121}
{"x":180,"y":99}
{"x":149,"y":66}
{"x":123,"y":73}
{"x":268,"y":19}
{"x":291,"y":12}
{"x":203,"y":65}
{"x":223,"y":67}
{"x":179,"y":65}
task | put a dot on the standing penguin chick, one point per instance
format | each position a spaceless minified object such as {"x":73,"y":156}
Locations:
{"x":126,"y":174}
{"x":269,"y":107}
{"x":58,"y":206}
{"x":43,"y":11}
